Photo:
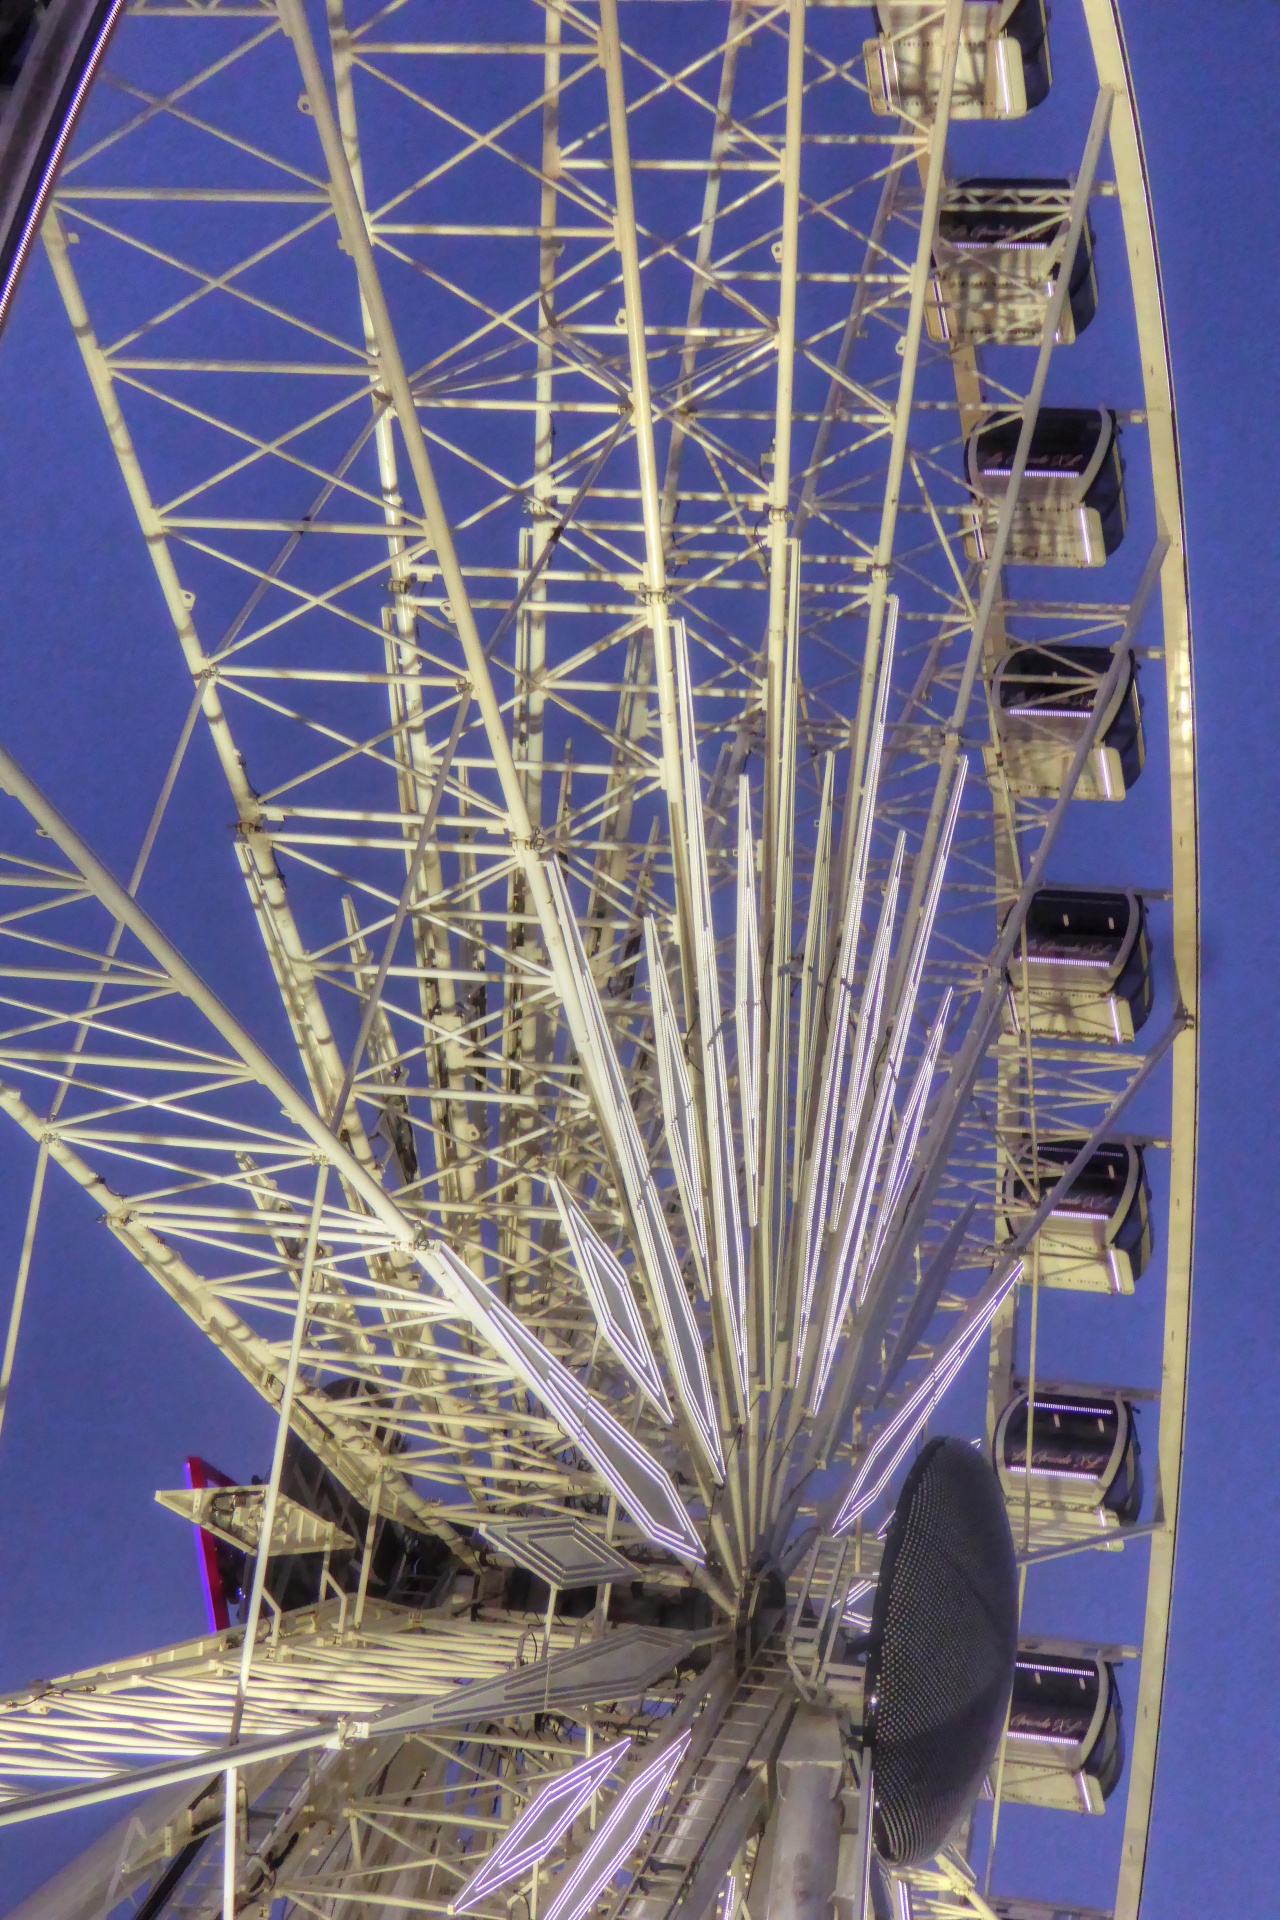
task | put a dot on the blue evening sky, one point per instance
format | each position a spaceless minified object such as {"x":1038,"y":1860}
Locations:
{"x":113,"y":1386}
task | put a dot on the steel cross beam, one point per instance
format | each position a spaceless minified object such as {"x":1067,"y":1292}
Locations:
{"x":410,"y":1240}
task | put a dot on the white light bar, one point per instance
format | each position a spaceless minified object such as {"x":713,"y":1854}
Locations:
{"x":899,"y":1436}
{"x":541,"y":1826}
{"x":747,"y":1001}
{"x":904,"y":1147}
{"x":643,"y":1488}
{"x":857,"y":1185}
{"x":676,"y":1093}
{"x":618,"y":1835}
{"x":869,"y":1011}
{"x":661,"y":1268}
{"x":858,"y":1591}
{"x":825,"y":1130}
{"x":726,"y":1207}
{"x":848,"y":1258}
{"x":609,"y":1291}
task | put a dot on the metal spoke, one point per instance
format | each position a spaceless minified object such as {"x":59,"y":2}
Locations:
{"x":653,"y":740}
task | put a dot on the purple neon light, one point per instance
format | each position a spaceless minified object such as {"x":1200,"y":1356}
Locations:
{"x":876,"y":1471}
{"x":541,"y":1826}
{"x":36,"y":211}
{"x":618,"y":1835}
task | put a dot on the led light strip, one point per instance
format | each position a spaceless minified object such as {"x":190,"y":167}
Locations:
{"x":541,"y":1826}
{"x":643,"y":1487}
{"x":1053,"y":1473}
{"x":876,"y":1471}
{"x":1060,"y":960}
{"x":609,"y":1291}
{"x":617,"y":1836}
{"x":726,"y":1207}
{"x":747,"y":1002}
{"x":658,"y":1256}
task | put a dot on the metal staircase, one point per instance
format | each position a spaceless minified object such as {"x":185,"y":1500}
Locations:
{"x":825,"y":1588}
{"x":718,"y":1796}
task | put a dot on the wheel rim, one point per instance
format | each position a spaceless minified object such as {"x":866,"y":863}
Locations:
{"x":653,"y":645}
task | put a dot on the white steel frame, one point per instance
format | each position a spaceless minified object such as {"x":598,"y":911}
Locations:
{"x":645,"y":949}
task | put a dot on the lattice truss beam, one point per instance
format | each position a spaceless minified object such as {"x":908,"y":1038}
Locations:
{"x":603,"y":686}
{"x":307,"y":599}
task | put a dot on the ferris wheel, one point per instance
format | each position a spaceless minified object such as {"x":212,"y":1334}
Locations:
{"x":670,"y":517}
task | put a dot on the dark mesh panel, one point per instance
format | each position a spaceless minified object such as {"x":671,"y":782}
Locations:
{"x":944,"y":1637}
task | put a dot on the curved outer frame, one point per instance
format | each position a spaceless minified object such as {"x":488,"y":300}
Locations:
{"x":1129,"y":161}
{"x":17,"y":220}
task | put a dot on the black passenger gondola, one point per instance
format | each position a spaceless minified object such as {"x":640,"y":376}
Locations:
{"x":1002,"y":68}
{"x":1070,"y":510}
{"x":1086,"y":1464}
{"x":1098,"y":1237}
{"x":995,"y":261}
{"x":1044,"y":699}
{"x":1065,"y":1740}
{"x":1088,"y":965}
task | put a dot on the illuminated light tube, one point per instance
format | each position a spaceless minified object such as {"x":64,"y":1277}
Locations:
{"x":658,"y":1260}
{"x":609,"y":1291}
{"x":643,"y":1488}
{"x":847,"y":1259}
{"x":832,"y":1163}
{"x":1053,"y":1473}
{"x":876,"y":1471}
{"x":858,"y":1591}
{"x":1044,"y":1739}
{"x":1047,"y":713}
{"x":747,"y":1001}
{"x":1072,"y":1671}
{"x":1061,"y":960}
{"x":1033,"y":473}
{"x":904,"y":1147}
{"x":979,"y":247}
{"x":826,"y":1150}
{"x":616,"y":1838}
{"x":676,"y":1093}
{"x":541,"y":1826}
{"x":1071,"y":1406}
